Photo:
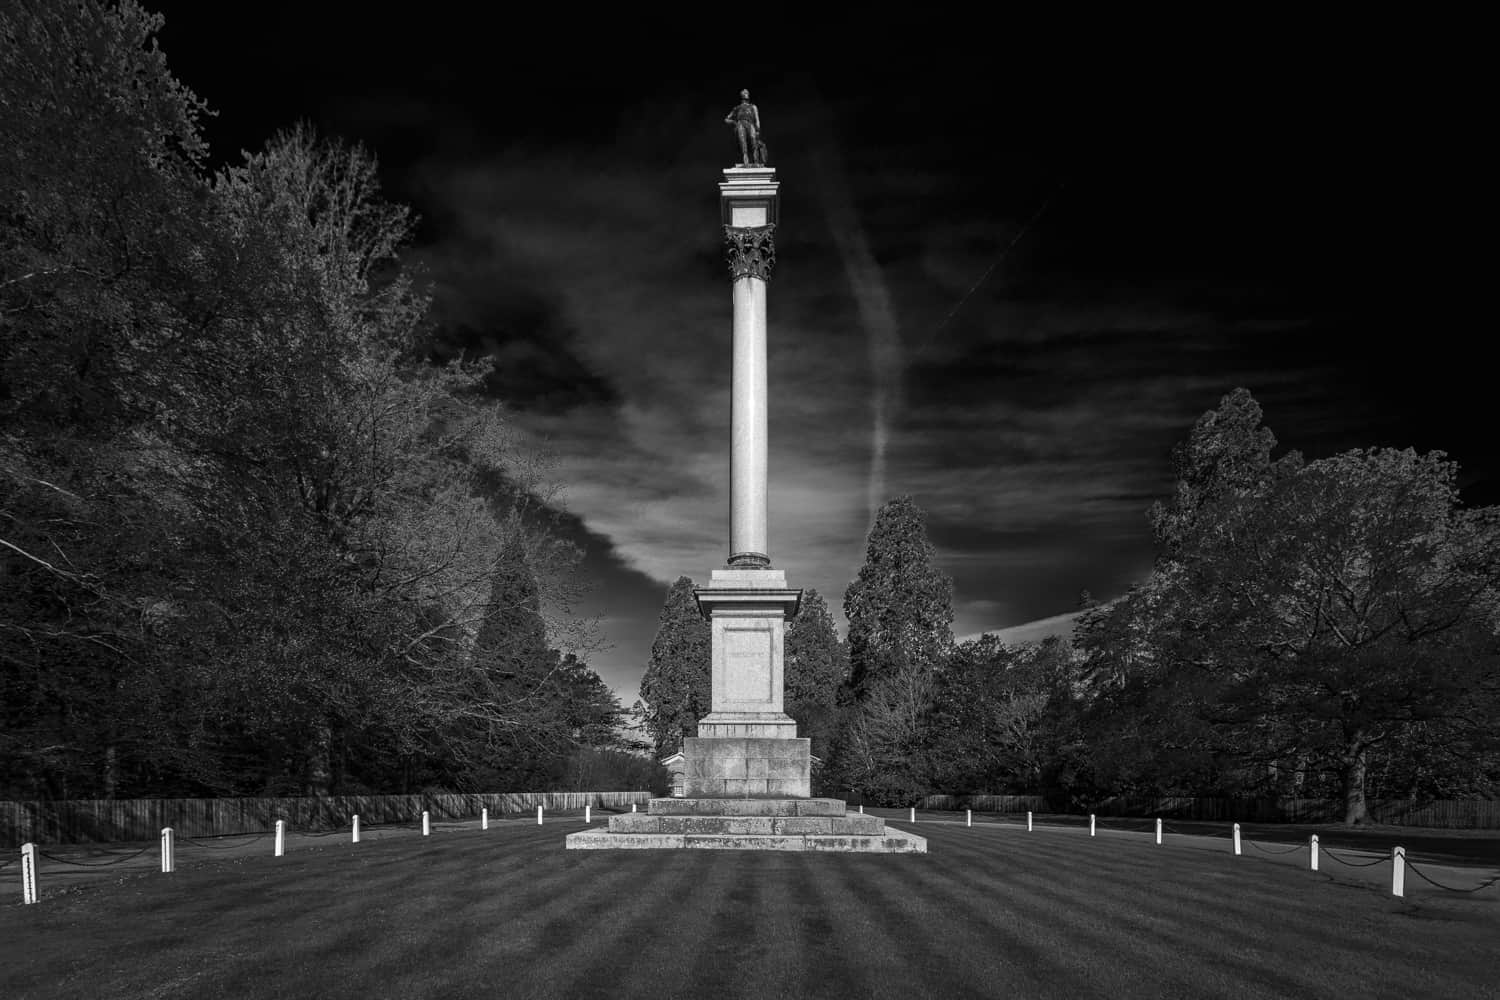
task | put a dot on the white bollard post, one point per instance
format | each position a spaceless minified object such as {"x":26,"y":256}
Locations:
{"x":538,"y":815}
{"x":913,"y":814}
{"x":168,"y":854}
{"x":1028,"y":820}
{"x":1313,"y":852}
{"x":1236,"y":840}
{"x":280,"y":837}
{"x":968,"y":817}
{"x":1398,"y":872}
{"x":426,"y":826}
{"x":588,"y":814}
{"x":28,"y":873}
{"x":355,"y":834}
{"x":1158,"y":829}
{"x":484,"y":819}
{"x":1091,"y":824}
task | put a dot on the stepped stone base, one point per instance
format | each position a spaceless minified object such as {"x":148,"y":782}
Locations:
{"x":893,"y":842}
{"x":785,"y":824}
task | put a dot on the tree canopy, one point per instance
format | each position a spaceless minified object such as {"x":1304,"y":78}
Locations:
{"x":249,"y":536}
{"x":1317,"y":618}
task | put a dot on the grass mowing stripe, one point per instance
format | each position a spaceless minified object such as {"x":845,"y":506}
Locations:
{"x":491,"y":921}
{"x":675,"y":916}
{"x":823,"y":888}
{"x":733,"y":953}
{"x":885,"y":928}
{"x":1277,"y":928}
{"x":1096,"y":924}
{"x":709,"y":930}
{"x":999,"y":952}
{"x":424,"y":922}
{"x":631,"y":935}
{"x":1070,"y":945}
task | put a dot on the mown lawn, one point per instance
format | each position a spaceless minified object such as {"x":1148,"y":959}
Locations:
{"x":990,"y":911}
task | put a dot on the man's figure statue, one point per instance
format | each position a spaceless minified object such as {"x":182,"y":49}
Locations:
{"x":746,"y":121}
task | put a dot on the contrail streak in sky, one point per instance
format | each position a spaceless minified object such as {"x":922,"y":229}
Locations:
{"x":873,"y":298}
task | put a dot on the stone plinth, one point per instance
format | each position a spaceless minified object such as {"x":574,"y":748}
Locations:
{"x":746,"y":767}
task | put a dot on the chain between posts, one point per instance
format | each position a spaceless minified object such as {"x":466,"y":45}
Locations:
{"x":95,"y":864}
{"x":1267,"y":850}
{"x":225,"y":847}
{"x":1448,"y":888}
{"x":1355,"y":864}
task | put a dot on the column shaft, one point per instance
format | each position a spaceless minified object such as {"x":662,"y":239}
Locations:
{"x":748,"y":443}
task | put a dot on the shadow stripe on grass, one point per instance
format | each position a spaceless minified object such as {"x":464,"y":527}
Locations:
{"x":1076,"y":945}
{"x":638,"y":934}
{"x":1272,"y":928}
{"x":1159,"y":940}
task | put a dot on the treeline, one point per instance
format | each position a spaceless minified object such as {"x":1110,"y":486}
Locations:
{"x":1310,"y":629}
{"x":251,"y":540}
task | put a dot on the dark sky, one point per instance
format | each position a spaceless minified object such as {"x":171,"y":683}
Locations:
{"x":1015,"y":260}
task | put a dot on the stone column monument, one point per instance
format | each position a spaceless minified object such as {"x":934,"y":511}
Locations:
{"x":747,"y":773}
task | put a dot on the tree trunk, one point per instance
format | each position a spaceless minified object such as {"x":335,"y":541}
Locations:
{"x":319,"y":773}
{"x":1354,"y":786}
{"x":111,"y":771}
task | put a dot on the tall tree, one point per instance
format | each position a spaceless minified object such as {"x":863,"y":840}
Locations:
{"x":900,"y":607}
{"x":900,"y":611}
{"x":100,"y":225}
{"x":817,"y":665}
{"x":1227,"y":453}
{"x":1346,"y":611}
{"x":676,"y":685}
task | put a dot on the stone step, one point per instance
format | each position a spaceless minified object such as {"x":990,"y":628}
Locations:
{"x":852,"y":824}
{"x":746,"y":807}
{"x":893,"y":842}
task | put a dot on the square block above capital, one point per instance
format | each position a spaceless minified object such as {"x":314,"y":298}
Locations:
{"x":748,"y":197}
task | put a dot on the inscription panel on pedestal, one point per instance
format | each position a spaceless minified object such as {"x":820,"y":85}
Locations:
{"x":747,"y":664}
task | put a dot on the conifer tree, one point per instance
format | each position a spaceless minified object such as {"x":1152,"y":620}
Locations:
{"x":900,"y":608}
{"x":816,"y":665}
{"x":512,"y":643}
{"x":676,"y":685}
{"x":900,"y":611}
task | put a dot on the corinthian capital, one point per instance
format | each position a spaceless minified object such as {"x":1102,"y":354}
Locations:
{"x":750,"y":251}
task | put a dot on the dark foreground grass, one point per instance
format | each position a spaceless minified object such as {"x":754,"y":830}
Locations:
{"x":991,"y":911}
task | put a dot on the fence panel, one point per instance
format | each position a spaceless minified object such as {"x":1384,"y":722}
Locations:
{"x":77,"y":821}
{"x":985,"y":803}
{"x":1457,"y":814}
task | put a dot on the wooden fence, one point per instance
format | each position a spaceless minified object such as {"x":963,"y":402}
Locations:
{"x":986,"y":803}
{"x":1453,"y":814}
{"x":79,"y":821}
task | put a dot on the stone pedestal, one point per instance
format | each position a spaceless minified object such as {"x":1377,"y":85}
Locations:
{"x":747,"y":745}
